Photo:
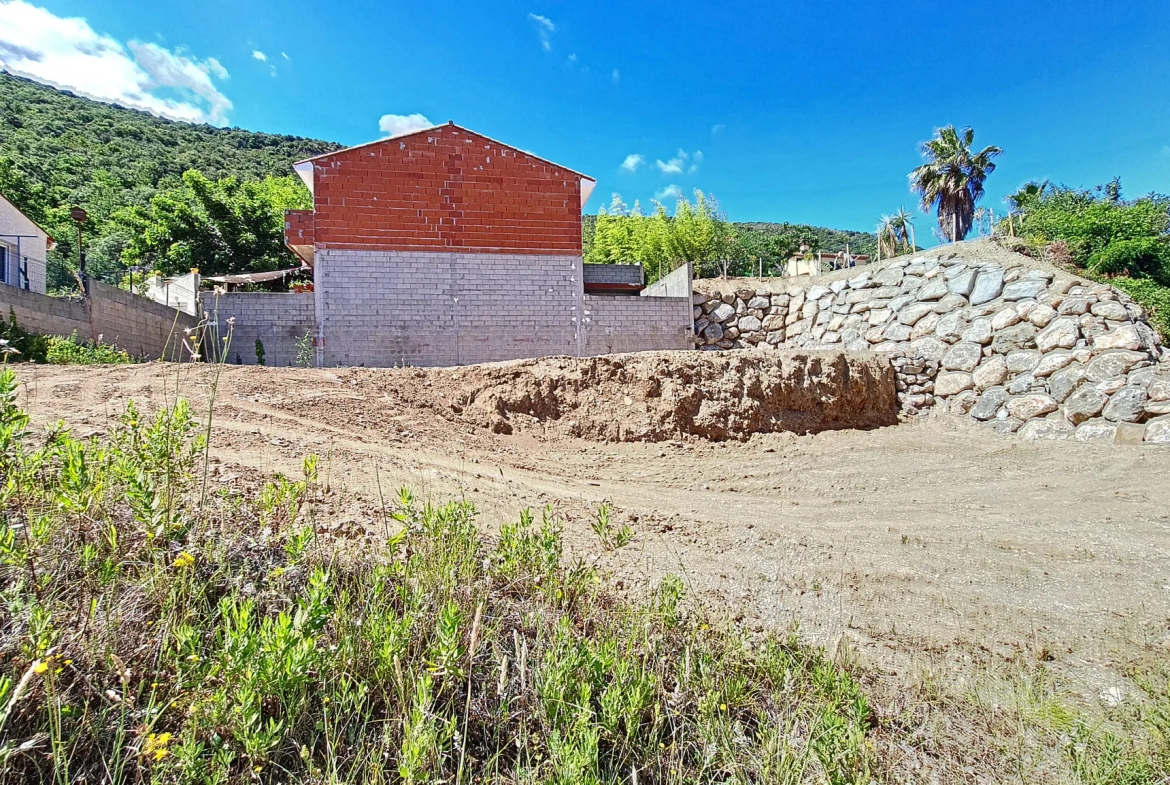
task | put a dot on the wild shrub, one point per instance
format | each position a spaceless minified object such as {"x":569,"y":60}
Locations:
{"x":143,"y":640}
{"x":72,"y":351}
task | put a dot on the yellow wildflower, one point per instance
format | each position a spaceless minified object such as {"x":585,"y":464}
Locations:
{"x":184,"y":559}
{"x":41,"y":666}
{"x":156,"y":746}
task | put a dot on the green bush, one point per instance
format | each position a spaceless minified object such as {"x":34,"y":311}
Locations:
{"x":31,"y":347}
{"x":1152,"y":296}
{"x":71,"y":351}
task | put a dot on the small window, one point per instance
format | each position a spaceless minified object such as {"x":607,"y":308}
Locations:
{"x":3,"y":264}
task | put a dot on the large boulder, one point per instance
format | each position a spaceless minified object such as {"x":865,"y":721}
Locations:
{"x":988,"y":285}
{"x":1020,"y":336}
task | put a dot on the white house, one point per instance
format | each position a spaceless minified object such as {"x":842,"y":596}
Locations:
{"x":23,"y":249}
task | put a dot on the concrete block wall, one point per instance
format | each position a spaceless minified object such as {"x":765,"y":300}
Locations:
{"x":385,"y":308}
{"x":676,"y":284}
{"x":140,"y":326}
{"x":614,"y":323}
{"x":278,"y":319}
{"x":613,"y":273}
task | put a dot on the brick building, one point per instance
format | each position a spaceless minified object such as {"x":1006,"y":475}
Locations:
{"x":445,"y":247}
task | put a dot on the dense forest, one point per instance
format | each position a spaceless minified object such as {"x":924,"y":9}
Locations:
{"x":166,"y":196}
{"x":125,"y":167}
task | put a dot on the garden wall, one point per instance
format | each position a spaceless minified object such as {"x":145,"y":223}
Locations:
{"x":277,"y":319}
{"x":1003,"y":340}
{"x":142,"y":327}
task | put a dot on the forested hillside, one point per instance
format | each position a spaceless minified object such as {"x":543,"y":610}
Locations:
{"x":58,"y":150}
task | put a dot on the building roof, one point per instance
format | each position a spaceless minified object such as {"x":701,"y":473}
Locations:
{"x":50,"y":243}
{"x":304,"y":167}
{"x":265,"y":277}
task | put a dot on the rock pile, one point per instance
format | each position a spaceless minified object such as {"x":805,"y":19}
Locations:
{"x":1026,"y":349}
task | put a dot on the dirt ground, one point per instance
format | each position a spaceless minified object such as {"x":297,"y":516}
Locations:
{"x":929,"y":545}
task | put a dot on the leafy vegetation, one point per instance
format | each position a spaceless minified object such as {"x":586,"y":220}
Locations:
{"x":701,"y":234}
{"x":951,"y":180}
{"x":153,"y":634}
{"x":58,"y":150}
{"x":1105,"y":236}
{"x":19,"y":345}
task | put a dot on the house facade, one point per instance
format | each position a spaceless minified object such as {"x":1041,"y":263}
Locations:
{"x":446,"y":247}
{"x":24,"y":248}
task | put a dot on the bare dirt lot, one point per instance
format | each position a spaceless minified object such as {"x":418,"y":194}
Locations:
{"x":930,"y":545}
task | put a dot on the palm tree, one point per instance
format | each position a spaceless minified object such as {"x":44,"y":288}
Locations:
{"x":896,"y":234}
{"x":887,"y":238}
{"x":951,"y":180}
{"x":1028,"y":195}
{"x":904,"y":225}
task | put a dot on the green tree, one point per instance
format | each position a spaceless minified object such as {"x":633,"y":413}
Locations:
{"x":951,"y":180}
{"x":216,"y":226}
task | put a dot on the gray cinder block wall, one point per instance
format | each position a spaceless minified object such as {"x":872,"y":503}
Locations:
{"x":614,"y":324}
{"x":278,"y":319}
{"x":140,"y":326}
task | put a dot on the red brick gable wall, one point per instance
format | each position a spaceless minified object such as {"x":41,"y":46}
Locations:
{"x":446,"y":189}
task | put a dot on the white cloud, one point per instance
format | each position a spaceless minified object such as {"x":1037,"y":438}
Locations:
{"x":398,"y":124}
{"x":544,"y":28}
{"x":617,"y":75}
{"x":632,"y":162}
{"x":256,"y":53}
{"x":717,"y":129}
{"x":285,"y":56}
{"x":671,"y":191}
{"x":696,"y":162}
{"x":673,"y":166}
{"x":66,"y":52}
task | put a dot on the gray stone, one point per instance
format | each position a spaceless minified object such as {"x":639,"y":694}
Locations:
{"x":772,"y":323}
{"x":1124,"y":337}
{"x":816,"y":292}
{"x":749,"y":324}
{"x":1026,"y":407}
{"x":1006,"y":426}
{"x":880,"y":316}
{"x":1109,"y":309}
{"x":900,"y":302}
{"x":897,"y":332}
{"x":713,"y":333}
{"x":1062,"y":333}
{"x":1052,"y":362}
{"x":1005,"y":317}
{"x":1148,"y":337}
{"x":698,"y":298}
{"x":1021,"y":384}
{"x":1110,"y":386}
{"x":1159,"y":390}
{"x":1097,"y":430}
{"x":721,"y":313}
{"x":1042,"y":315}
{"x":1075,"y":306}
{"x":912,"y":313}
{"x":1020,"y":336}
{"x":952,"y":302}
{"x":963,"y":356}
{"x":838,"y":286}
{"x":1157,"y":408}
{"x":925,"y":326}
{"x":961,"y":282}
{"x":1091,"y":326}
{"x":950,"y":383}
{"x":891,"y":276}
{"x":950,"y":327}
{"x":1111,"y":364}
{"x":988,"y":285}
{"x":1126,"y":405}
{"x":763,"y":303}
{"x":1084,"y":404}
{"x":979,"y":332}
{"x":989,"y":403}
{"x":858,"y":296}
{"x":990,"y":373}
{"x":934,"y":289}
{"x":1022,"y":360}
{"x":861,"y":281}
{"x":1040,"y":430}
{"x":1129,"y":433}
{"x":1158,"y":431}
{"x":1024,"y":289}
{"x":928,"y":348}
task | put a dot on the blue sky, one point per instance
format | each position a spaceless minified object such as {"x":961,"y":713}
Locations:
{"x":807,"y":112}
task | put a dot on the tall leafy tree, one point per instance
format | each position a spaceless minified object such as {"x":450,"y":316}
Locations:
{"x":950,"y":182}
{"x":218,"y":226}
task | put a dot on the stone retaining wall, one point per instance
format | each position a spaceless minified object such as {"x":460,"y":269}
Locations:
{"x":1025,"y":349}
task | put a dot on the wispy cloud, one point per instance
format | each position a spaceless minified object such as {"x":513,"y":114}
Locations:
{"x":717,"y":129}
{"x":671,"y":191}
{"x":398,"y":124}
{"x":633,"y":162}
{"x":696,"y":162}
{"x":285,"y":56}
{"x":617,"y":75}
{"x":66,"y":52}
{"x":573,"y":59}
{"x":256,"y":53}
{"x":674,"y":165}
{"x":544,"y":28}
